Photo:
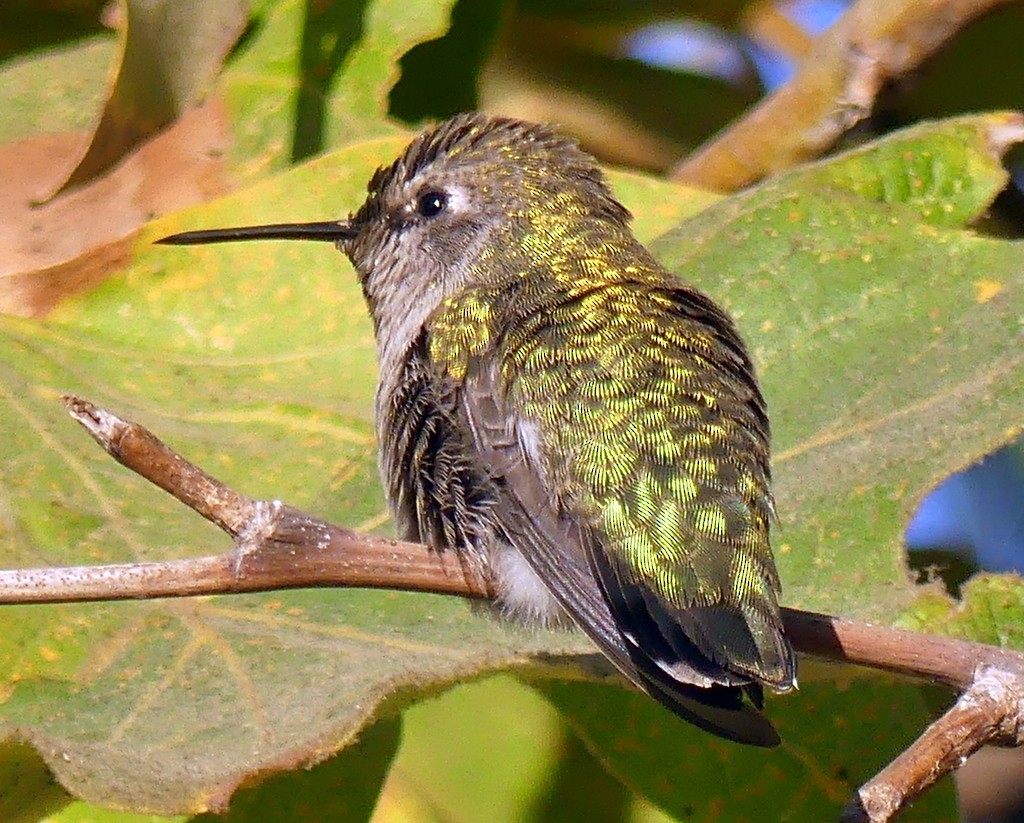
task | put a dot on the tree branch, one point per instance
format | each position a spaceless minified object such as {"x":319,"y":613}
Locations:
{"x":925,"y":656}
{"x":835,"y":88}
{"x":987,"y":713}
{"x":277,"y":546}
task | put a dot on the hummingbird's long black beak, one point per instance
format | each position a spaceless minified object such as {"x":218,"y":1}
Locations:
{"x":331,"y":231}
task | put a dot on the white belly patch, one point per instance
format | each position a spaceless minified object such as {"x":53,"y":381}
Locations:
{"x":521,"y":593}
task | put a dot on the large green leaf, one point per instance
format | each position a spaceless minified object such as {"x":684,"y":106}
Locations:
{"x":256,"y":361}
{"x":889,"y":343}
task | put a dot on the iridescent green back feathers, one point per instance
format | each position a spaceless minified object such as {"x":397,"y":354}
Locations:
{"x":652,"y":431}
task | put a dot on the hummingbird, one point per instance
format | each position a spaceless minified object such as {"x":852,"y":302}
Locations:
{"x":556,"y":407}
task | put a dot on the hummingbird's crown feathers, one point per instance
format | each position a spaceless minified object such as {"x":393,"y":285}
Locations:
{"x":466,"y":133}
{"x":496,"y":145}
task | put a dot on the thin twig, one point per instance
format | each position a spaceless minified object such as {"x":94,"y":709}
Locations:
{"x":875,"y":42}
{"x":277,"y":547}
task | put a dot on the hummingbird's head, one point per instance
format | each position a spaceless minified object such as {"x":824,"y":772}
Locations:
{"x":474,"y":188}
{"x":473,"y":198}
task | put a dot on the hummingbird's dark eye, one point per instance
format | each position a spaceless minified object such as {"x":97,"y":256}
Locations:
{"x":432,"y":203}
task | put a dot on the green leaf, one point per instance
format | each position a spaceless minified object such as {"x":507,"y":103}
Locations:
{"x":888,"y":363}
{"x":935,"y":175}
{"x":991,"y":610}
{"x":837,"y":731}
{"x":303,"y":83}
{"x":261,"y":367}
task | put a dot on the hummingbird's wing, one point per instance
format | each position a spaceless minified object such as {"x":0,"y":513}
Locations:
{"x":562,"y":549}
{"x":624,"y":424}
{"x":681,"y":484}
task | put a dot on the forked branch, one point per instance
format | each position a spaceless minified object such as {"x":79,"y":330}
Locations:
{"x":278,"y":547}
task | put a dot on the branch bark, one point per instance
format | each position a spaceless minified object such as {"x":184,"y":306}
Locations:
{"x":875,"y":41}
{"x":276,"y":546}
{"x":987,"y":713}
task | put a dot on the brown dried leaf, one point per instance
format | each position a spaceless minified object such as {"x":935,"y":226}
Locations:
{"x":172,"y":50}
{"x":51,"y":251}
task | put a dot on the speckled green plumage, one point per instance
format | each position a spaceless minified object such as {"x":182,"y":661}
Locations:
{"x":650,"y":424}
